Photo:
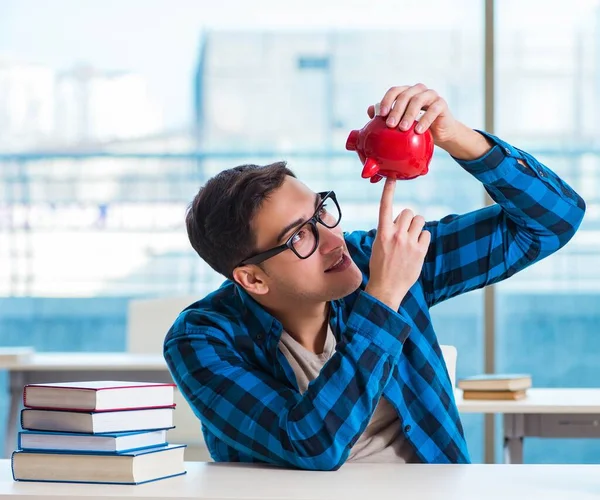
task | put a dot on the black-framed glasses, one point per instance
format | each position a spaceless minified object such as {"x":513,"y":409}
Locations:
{"x":305,"y":240}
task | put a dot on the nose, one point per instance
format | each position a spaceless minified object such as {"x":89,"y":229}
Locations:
{"x":329,"y":239}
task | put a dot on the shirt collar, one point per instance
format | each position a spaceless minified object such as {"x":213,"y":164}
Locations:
{"x":262,"y":326}
{"x":259,"y":322}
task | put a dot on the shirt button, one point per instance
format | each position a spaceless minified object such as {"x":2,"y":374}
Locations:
{"x":507,"y":151}
{"x":542,"y":173}
{"x":259,"y":336}
{"x":407,"y":428}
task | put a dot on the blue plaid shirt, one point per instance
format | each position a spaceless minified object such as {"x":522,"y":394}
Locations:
{"x":223,"y":350}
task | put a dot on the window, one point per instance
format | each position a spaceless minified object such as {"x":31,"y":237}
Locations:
{"x":547,"y":101}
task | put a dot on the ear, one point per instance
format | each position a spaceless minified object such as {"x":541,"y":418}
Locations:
{"x":252,"y":279}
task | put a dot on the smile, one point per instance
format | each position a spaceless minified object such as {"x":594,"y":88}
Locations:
{"x":340,"y":265}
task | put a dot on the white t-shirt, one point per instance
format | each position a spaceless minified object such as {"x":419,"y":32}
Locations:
{"x":382,"y":440}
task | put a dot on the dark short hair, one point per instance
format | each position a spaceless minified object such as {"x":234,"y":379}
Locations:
{"x":219,"y":218}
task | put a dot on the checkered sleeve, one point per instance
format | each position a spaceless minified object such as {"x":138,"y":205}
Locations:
{"x":268,"y":420}
{"x":536,"y":213}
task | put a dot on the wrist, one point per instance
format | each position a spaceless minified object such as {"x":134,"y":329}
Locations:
{"x":467,"y":144}
{"x":392,"y":299}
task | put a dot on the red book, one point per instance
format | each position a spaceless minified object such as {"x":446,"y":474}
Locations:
{"x":99,"y":395}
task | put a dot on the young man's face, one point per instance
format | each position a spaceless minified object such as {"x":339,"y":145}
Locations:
{"x":311,"y":279}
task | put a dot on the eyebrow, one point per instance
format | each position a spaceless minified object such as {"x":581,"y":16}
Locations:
{"x":297,"y":222}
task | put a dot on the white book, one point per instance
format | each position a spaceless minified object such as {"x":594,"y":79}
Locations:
{"x":99,"y":395}
{"x":496,"y":382}
{"x":129,"y":468}
{"x":96,"y":422}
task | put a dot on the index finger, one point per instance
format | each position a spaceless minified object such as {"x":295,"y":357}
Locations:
{"x":386,"y":205}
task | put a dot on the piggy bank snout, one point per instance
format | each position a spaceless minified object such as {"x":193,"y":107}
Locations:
{"x":352,"y":140}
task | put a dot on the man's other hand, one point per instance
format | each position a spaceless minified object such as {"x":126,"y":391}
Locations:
{"x":402,"y":105}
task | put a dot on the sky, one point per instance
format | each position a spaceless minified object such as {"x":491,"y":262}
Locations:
{"x":159,"y":38}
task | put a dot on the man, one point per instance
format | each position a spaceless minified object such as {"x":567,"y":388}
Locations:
{"x":319,"y":348}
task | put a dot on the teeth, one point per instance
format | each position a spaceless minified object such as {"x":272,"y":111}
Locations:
{"x":337,"y":263}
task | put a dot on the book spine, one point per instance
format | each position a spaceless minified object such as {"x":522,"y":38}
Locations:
{"x":12,"y":465}
{"x":101,"y":482}
{"x":103,"y":410}
{"x":141,"y":448}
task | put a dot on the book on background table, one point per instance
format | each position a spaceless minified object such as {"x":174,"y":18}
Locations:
{"x":100,"y":395}
{"x":135,"y":467}
{"x":495,"y":395}
{"x":14,"y":354}
{"x":496,"y":382}
{"x":120,"y":442}
{"x":103,"y":422}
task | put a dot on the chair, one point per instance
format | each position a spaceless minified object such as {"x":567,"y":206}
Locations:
{"x":148,"y":321}
{"x":449,"y":353}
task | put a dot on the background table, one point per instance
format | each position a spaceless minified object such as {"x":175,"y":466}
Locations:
{"x":547,"y":413}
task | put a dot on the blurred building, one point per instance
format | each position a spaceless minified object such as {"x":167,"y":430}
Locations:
{"x":26,"y":105}
{"x":41,"y":109}
{"x":282,"y":90}
{"x":96,"y":106}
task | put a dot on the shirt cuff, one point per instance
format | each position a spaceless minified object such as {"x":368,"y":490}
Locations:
{"x":491,"y":166}
{"x":379,"y":323}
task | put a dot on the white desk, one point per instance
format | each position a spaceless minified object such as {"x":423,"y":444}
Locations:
{"x":64,"y":367}
{"x":210,"y":481}
{"x":554,"y":413}
{"x":551,"y":413}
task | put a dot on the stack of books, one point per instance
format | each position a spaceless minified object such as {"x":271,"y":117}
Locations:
{"x":495,"y":386}
{"x":97,"y":432}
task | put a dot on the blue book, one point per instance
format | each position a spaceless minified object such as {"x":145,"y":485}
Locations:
{"x":135,"y":467}
{"x":118,"y":442}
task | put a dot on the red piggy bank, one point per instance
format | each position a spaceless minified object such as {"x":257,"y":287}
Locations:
{"x":391,"y":152}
